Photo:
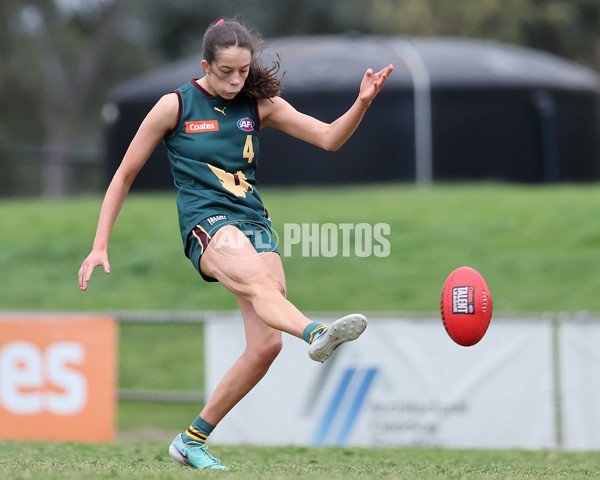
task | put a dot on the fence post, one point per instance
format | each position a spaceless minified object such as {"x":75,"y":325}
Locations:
{"x":557,"y":380}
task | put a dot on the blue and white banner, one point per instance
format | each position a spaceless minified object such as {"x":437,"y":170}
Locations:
{"x":404,"y":382}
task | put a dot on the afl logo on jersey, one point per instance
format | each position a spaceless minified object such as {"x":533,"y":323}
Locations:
{"x":246,"y":124}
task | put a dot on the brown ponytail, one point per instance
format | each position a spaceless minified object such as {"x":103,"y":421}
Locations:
{"x":262,"y":82}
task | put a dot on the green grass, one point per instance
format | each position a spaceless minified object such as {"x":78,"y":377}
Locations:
{"x":149,"y":460}
{"x":149,"y":358}
{"x":535,"y":245}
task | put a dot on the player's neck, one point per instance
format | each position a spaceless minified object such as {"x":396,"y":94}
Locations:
{"x":205,"y":85}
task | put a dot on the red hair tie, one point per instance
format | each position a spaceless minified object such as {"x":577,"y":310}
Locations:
{"x":220,"y":22}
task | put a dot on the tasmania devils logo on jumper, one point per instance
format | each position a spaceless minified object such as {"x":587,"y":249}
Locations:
{"x":246,"y":124}
{"x":200,"y":126}
{"x":463,"y":300}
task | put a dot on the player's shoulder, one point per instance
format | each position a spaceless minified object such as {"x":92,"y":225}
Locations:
{"x":271,"y":102}
{"x":169,"y":102}
{"x":165,"y":113}
{"x":268,"y":108}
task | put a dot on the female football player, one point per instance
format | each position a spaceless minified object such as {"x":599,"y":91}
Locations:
{"x":209,"y":128}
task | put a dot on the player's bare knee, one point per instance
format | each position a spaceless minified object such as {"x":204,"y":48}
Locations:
{"x":276,"y":285}
{"x":269,"y":351}
{"x":266,"y":352}
{"x":265,"y":287}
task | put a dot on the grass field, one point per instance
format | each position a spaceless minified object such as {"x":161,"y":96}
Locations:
{"x":537,"y":246}
{"x":148,"y":460}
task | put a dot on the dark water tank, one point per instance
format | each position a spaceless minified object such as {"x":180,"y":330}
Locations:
{"x":454,"y":109}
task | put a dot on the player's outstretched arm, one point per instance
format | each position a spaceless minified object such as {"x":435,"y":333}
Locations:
{"x":278,"y":113}
{"x":159,"y":121}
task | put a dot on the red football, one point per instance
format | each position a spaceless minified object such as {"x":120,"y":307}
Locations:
{"x":466,"y":306}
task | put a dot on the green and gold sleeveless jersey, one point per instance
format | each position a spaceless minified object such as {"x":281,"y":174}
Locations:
{"x":213,"y":151}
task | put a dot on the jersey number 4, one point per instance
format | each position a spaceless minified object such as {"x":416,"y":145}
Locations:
{"x":248,"y":149}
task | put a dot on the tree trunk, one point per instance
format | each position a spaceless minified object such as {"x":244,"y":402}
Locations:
{"x":66,"y":93}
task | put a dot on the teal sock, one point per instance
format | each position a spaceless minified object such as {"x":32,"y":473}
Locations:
{"x":312,"y":331}
{"x":198,"y":431}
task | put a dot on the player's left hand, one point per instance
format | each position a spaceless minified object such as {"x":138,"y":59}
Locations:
{"x":372,"y":83}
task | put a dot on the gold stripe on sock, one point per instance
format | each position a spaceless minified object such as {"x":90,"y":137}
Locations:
{"x":318,"y":329}
{"x":192,"y":432}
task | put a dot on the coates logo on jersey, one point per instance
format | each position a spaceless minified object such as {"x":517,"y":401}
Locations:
{"x":202,"y":126}
{"x":246,"y":124}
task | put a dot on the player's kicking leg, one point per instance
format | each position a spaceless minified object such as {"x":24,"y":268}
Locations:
{"x":342,"y":330}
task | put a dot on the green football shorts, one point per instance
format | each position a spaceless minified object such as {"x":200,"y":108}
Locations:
{"x":260,"y":235}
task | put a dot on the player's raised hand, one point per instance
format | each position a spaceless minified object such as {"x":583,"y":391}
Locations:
{"x":372,"y":83}
{"x":95,"y":259}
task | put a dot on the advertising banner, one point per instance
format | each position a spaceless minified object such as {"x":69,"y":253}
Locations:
{"x":579,"y":357}
{"x":404,"y":382}
{"x":57,"y":377}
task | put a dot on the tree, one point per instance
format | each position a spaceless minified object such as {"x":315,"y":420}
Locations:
{"x":55,"y":70}
{"x":61,"y":57}
{"x":67,"y":85}
{"x":568,"y":28}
